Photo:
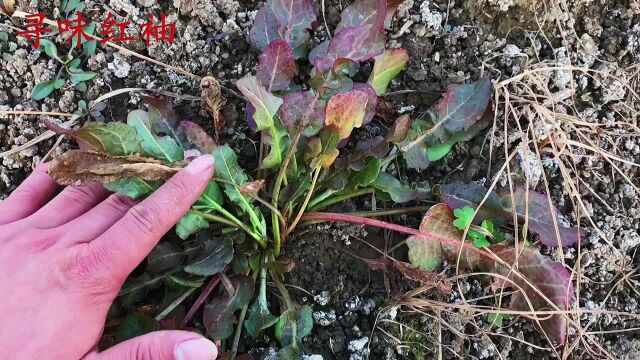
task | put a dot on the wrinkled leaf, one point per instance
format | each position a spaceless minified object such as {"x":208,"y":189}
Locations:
{"x":386,"y":67}
{"x":164,"y":148}
{"x":266,"y":104}
{"x":90,"y":166}
{"x":294,"y":325}
{"x":427,"y":253}
{"x":218,"y":316}
{"x":276,"y":67}
{"x":303,"y":109}
{"x":114,"y":138}
{"x":217,"y":254}
{"x":132,"y":187}
{"x":190,"y":224}
{"x":198,"y":137}
{"x":347,"y":111}
{"x":393,"y":187}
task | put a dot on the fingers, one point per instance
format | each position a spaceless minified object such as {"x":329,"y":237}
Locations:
{"x":167,"y":345}
{"x":30,"y":196}
{"x":125,"y":244}
{"x":99,"y":219}
{"x":69,"y":205}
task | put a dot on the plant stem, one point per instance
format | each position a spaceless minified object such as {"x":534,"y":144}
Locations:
{"x":386,"y":212}
{"x":238,"y":225}
{"x":342,"y":196}
{"x":175,"y":304}
{"x":320,"y":216}
{"x":320,"y":198}
{"x":200,"y":300}
{"x":282,"y":289}
{"x":236,"y":339}
{"x":277,"y":239}
{"x":305,"y":203}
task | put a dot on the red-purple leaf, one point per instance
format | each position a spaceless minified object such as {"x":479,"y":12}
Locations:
{"x":318,"y":56}
{"x":198,"y":137}
{"x":265,"y":28}
{"x":295,"y":17}
{"x":304,"y":109}
{"x":549,"y":277}
{"x":377,"y":147}
{"x":362,"y":12}
{"x":277,"y":67}
{"x":266,"y":104}
{"x":372,"y":103}
{"x":458,"y":195}
{"x":359,"y":43}
{"x":540,"y":213}
{"x":462,"y":106}
{"x":498,"y":208}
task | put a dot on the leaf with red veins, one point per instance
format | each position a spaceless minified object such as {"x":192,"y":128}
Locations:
{"x":198,"y":137}
{"x":358,"y":43}
{"x":265,"y":29}
{"x":276,"y":67}
{"x":347,"y":111}
{"x":304,"y":109}
{"x":372,"y":102}
{"x":550,"y":278}
{"x":363,"y":12}
{"x":266,"y":104}
{"x":461,"y":107}
{"x":538,"y":211}
{"x":295,"y":17}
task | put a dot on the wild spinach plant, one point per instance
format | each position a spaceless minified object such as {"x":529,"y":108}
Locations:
{"x":236,"y":230}
{"x":71,"y":62}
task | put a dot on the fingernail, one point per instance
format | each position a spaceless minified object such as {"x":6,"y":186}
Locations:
{"x":197,"y":349}
{"x":200,"y":164}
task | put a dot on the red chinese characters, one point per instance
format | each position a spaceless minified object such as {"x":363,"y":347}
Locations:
{"x":35,"y":29}
{"x":110,"y":29}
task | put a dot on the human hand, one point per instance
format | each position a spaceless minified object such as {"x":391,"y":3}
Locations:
{"x":63,"y":262}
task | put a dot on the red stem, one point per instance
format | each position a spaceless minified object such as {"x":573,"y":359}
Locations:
{"x":200,"y":300}
{"x":324,"y":216}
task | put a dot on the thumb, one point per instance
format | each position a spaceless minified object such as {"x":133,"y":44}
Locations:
{"x":161,"y":345}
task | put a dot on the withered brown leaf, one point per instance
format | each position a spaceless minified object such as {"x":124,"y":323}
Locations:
{"x":212,"y":102}
{"x":8,"y":6}
{"x":91,"y":166}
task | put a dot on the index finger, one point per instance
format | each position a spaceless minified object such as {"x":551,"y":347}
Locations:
{"x":125,"y":244}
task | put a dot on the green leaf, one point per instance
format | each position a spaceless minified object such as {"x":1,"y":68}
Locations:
{"x":217,"y":254}
{"x":218,"y":315}
{"x":260,"y":317}
{"x":81,"y":86}
{"x":266,"y":105}
{"x":73,"y":64}
{"x":497,"y":319}
{"x":190,"y":283}
{"x":50,"y":49}
{"x":366,"y":176}
{"x":386,"y":67}
{"x":114,"y":138}
{"x":211,"y":199}
{"x":134,"y":325}
{"x":190,"y":224}
{"x":4,"y":37}
{"x":165,"y":256}
{"x":80,"y":76}
{"x":134,"y":188}
{"x":464,"y":217}
{"x":278,"y":145}
{"x":294,"y":325}
{"x":164,"y":148}
{"x":396,"y":190}
{"x":227,"y":169}
{"x":481,"y":242}
{"x":428,"y":253}
{"x":43,"y":89}
{"x":59,"y":83}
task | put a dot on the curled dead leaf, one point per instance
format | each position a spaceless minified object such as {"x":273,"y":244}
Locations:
{"x":252,"y":188}
{"x":91,"y":166}
{"x":8,"y":7}
{"x":212,"y":102}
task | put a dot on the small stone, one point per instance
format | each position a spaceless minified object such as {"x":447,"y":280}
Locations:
{"x":119,"y":66}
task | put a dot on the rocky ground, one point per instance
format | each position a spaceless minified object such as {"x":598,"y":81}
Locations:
{"x":578,"y":58}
